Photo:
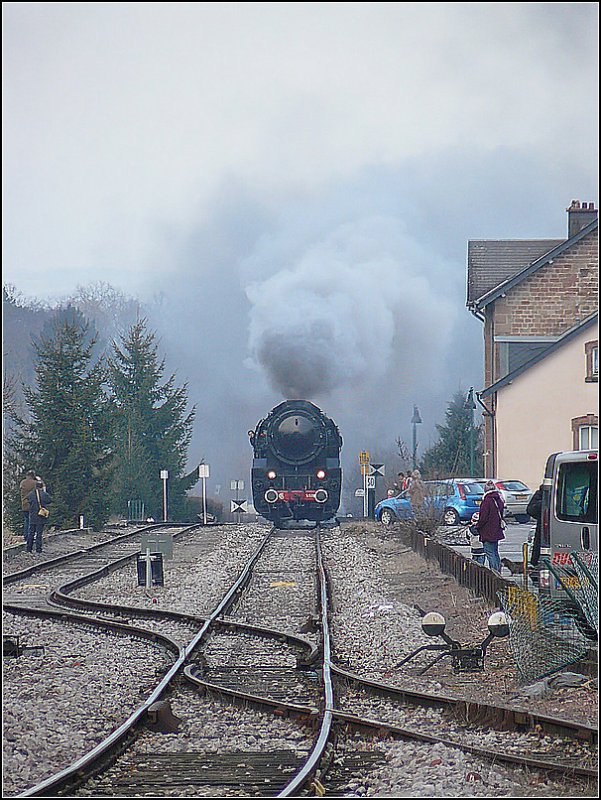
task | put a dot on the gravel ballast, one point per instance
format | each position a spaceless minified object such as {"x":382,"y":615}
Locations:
{"x":86,"y":684}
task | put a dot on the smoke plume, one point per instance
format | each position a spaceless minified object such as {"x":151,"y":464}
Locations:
{"x":352,"y":308}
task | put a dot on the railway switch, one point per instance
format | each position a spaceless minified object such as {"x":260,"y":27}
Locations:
{"x":464,"y":659}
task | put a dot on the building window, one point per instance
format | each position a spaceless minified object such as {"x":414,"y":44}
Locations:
{"x":591,"y":351}
{"x":515,"y":351}
{"x":588,"y":437}
{"x":585,"y":431}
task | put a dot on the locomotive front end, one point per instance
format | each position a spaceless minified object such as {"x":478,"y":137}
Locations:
{"x":296,"y":471}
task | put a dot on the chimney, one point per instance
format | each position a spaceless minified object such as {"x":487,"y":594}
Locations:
{"x":579,"y":216}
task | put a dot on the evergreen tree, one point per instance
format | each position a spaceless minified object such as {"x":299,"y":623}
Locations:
{"x":451,"y":455}
{"x":66,"y":438}
{"x":13,"y":469}
{"x":153,"y":430}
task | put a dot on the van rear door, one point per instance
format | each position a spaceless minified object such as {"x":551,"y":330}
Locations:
{"x":574,"y":523}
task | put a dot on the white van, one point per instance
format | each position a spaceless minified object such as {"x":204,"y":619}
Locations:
{"x":569,"y":510}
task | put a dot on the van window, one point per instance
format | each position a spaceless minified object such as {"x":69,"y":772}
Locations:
{"x":577,"y":492}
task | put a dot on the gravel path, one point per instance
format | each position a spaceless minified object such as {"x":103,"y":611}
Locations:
{"x":374,"y":602}
{"x":423,"y":770}
{"x":203,"y":567}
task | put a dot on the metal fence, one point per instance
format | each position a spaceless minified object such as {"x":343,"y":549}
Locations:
{"x":545,"y":633}
{"x":466,"y":572}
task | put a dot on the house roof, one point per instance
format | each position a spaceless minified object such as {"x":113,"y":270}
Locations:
{"x":490,"y":263}
{"x":567,"y":337}
{"x":494,"y":267}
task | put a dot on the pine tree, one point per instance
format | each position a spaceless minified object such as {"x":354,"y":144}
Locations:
{"x":451,"y":456}
{"x":153,"y":430}
{"x":66,"y":438}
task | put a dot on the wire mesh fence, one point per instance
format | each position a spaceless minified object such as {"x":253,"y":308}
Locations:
{"x":550,"y":632}
{"x":586,"y":567}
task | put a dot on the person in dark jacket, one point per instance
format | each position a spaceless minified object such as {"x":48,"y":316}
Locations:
{"x":490,"y":524}
{"x":38,"y":498}
{"x":26,"y":486}
{"x":534,"y":509}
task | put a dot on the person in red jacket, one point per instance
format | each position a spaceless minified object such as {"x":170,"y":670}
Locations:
{"x":491,"y":524}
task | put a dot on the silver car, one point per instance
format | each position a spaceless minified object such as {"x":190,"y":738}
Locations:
{"x":516,"y":496}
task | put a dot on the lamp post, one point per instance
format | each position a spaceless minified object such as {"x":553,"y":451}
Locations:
{"x":415,"y":421}
{"x":164,"y":478}
{"x":470,"y":405}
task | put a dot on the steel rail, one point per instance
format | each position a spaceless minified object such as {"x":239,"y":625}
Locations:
{"x":385,"y":728}
{"x":280,"y":705}
{"x":313,"y":762}
{"x":60,"y":598}
{"x":82,"y":765}
{"x":470,"y":711}
{"x":13,"y":577}
{"x":96,"y":622}
{"x":494,"y":755}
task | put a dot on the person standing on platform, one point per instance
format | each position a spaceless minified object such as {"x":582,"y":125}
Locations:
{"x":477,"y":551}
{"x":491,"y":524}
{"x":39,"y":499}
{"x":417,"y":492}
{"x":26,"y":486}
{"x":534,"y":509}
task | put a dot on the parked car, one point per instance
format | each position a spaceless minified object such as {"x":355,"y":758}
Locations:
{"x":455,"y":500}
{"x":516,"y":496}
{"x":394,"y":508}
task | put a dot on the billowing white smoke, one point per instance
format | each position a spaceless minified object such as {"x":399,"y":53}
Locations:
{"x":362,"y":303}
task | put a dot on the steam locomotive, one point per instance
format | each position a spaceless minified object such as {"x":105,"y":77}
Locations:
{"x":296,"y":472}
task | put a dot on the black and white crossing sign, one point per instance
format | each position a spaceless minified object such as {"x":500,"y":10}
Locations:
{"x":239,"y":506}
{"x":377,"y":469}
{"x":371,"y":481}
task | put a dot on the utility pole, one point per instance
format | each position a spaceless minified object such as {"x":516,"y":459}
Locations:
{"x":415,"y":421}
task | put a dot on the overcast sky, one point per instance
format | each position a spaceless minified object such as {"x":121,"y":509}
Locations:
{"x":286,"y":172}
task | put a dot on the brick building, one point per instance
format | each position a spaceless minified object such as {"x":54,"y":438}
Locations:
{"x":538,"y":301}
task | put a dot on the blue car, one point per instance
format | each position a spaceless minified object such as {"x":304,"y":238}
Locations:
{"x":454,"y":500}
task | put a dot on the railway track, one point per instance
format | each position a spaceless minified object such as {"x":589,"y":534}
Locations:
{"x":108,"y":749}
{"x":292,"y":679}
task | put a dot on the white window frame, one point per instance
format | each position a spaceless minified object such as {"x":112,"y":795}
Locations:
{"x":592,"y":437}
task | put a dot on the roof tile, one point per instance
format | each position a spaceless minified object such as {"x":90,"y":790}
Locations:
{"x":491,"y":262}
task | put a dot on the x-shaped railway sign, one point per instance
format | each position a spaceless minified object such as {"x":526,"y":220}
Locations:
{"x":239,"y":506}
{"x":377,"y":469}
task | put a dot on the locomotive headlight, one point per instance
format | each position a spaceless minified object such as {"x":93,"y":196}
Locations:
{"x":320,"y":474}
{"x":272,"y":475}
{"x":321,"y":496}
